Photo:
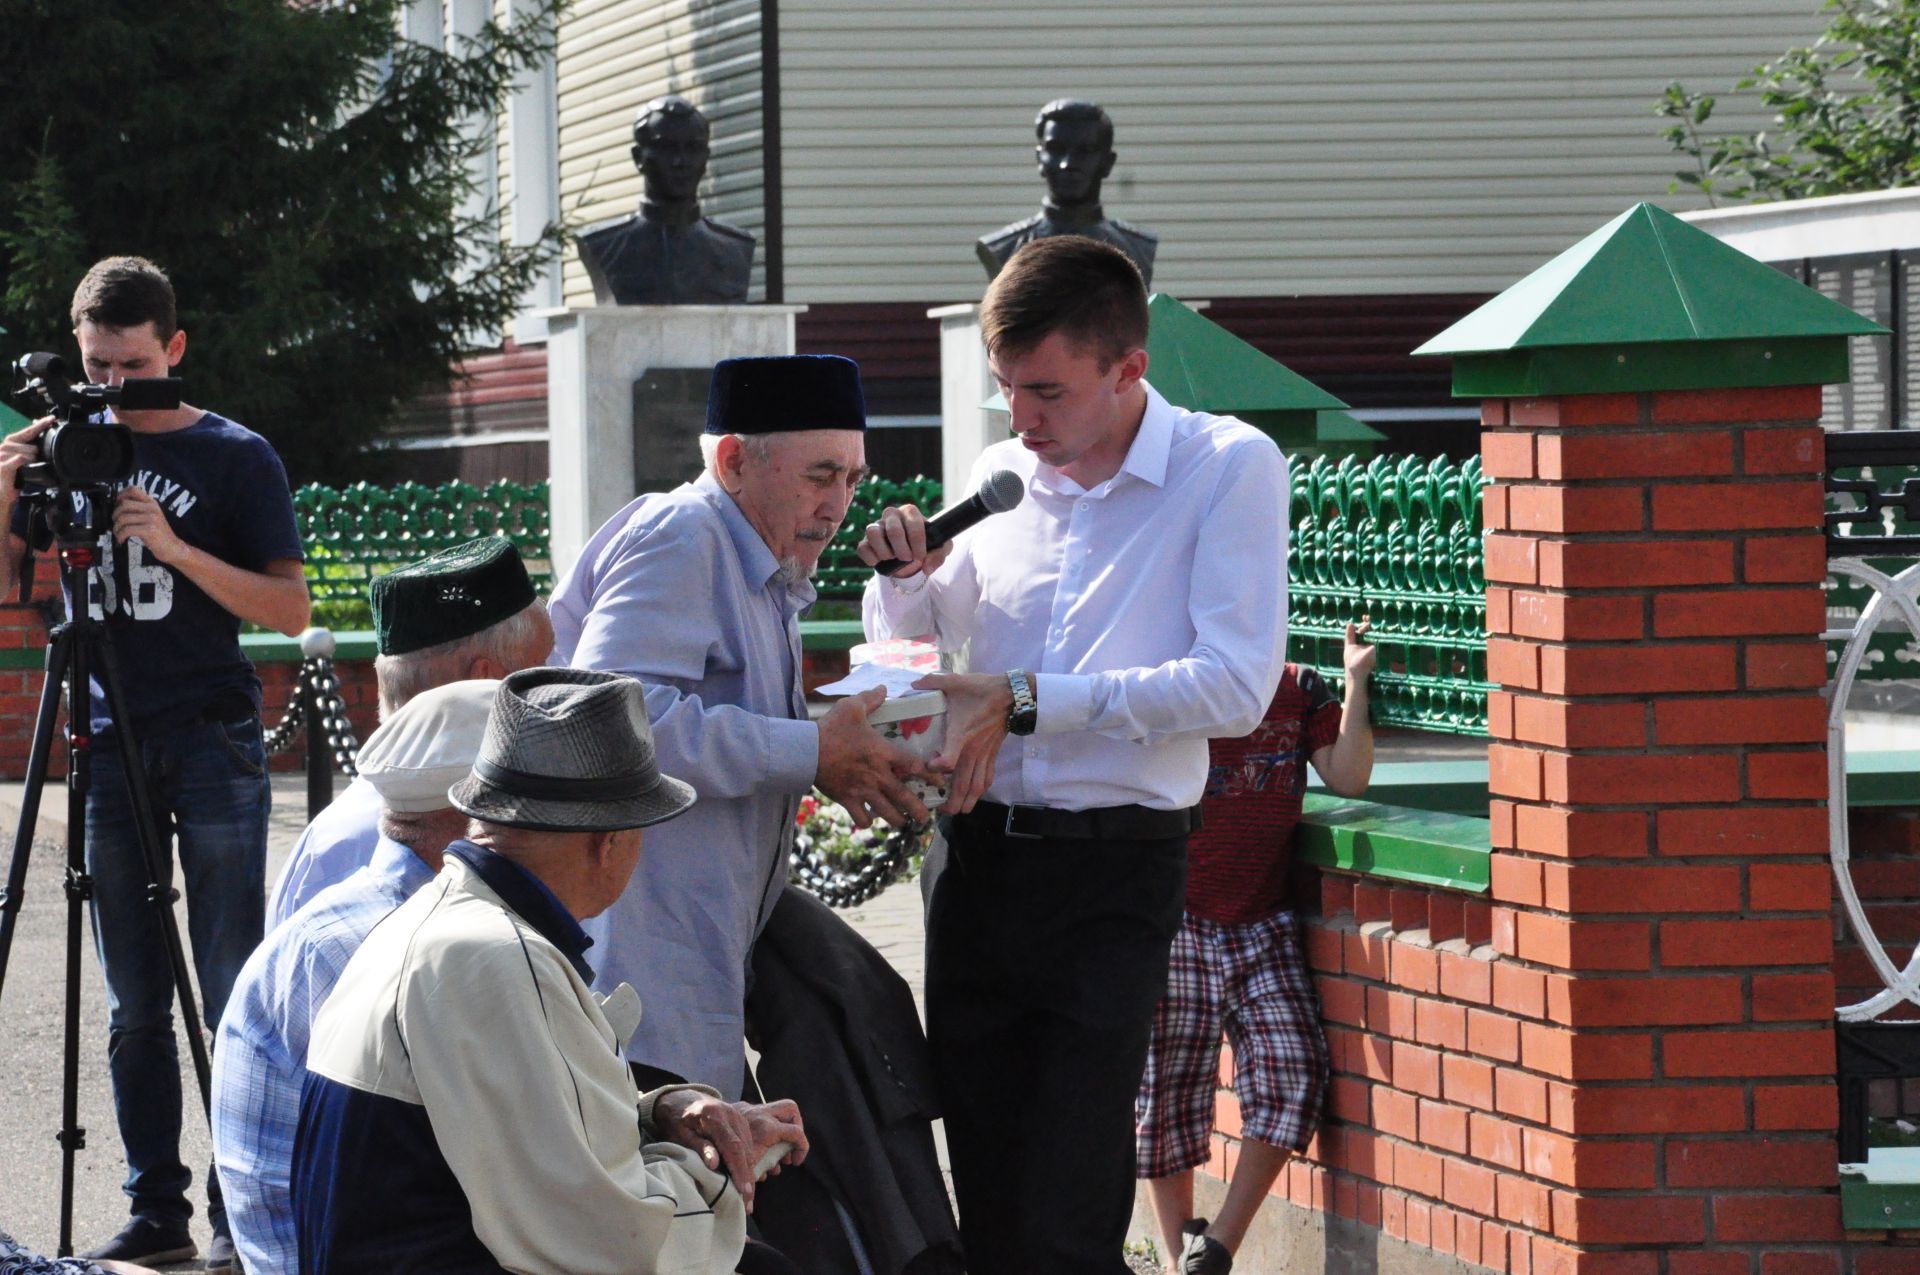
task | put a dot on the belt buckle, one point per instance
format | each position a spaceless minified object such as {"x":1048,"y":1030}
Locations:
{"x":1013,"y":812}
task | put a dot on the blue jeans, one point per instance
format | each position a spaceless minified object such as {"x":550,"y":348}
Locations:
{"x":211,"y":796}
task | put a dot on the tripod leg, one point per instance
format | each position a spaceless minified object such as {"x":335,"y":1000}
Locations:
{"x":79,"y":891}
{"x":37,"y":759}
{"x":72,"y":1137}
{"x":153,"y":849}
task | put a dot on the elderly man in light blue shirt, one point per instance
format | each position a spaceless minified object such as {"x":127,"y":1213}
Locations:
{"x":697,"y":592}
{"x":260,"y":1057}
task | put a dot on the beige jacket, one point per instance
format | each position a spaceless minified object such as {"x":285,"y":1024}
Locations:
{"x":458,"y":1005}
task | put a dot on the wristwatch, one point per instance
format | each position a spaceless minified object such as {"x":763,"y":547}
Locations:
{"x":1025,"y":713}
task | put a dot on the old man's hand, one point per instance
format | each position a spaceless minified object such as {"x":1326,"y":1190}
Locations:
{"x":864,"y":772}
{"x":731,"y":1134}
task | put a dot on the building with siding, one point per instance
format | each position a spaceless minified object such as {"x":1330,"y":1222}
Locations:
{"x":1341,"y":181}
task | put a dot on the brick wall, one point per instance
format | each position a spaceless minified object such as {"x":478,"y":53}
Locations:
{"x":1451,"y":1119}
{"x":1654,"y":573}
{"x":1621,"y":1060}
{"x":24,"y":628}
{"x":1885,"y":867}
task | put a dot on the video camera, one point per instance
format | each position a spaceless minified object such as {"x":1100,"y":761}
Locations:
{"x":80,"y":451}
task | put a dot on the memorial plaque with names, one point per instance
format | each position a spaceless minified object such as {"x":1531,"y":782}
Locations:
{"x":669,"y":413}
{"x":1906,"y":338}
{"x":1864,"y":283}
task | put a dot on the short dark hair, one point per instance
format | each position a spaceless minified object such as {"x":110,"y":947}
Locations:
{"x":125,"y":292}
{"x":1073,"y":110}
{"x":1089,"y":290}
{"x":665,"y":108}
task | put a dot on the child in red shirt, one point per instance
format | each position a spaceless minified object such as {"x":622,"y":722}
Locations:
{"x":1237,"y":965}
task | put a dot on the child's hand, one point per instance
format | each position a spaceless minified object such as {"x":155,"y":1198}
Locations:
{"x":1359,"y":654}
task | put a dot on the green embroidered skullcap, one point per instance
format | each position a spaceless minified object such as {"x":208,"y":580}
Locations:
{"x":452,"y":595}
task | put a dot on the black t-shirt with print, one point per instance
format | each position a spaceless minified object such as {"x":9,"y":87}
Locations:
{"x":225,"y":492}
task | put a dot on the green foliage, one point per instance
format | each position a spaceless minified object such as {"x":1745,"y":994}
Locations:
{"x":301,"y":171}
{"x":1846,"y":113}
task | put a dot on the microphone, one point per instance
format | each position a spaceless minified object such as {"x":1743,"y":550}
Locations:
{"x":1002,"y":490}
{"x":42,"y":365}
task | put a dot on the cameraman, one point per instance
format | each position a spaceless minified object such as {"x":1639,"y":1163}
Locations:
{"x":206,"y":530}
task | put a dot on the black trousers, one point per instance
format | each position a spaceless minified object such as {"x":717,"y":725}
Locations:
{"x":1045,"y":960}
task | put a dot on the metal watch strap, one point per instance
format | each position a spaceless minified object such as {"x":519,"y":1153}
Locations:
{"x":1025,"y":713}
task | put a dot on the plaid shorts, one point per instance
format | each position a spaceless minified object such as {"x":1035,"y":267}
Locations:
{"x":1250,"y":981}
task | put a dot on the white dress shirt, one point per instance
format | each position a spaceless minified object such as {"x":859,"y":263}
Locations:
{"x":1151,"y":609}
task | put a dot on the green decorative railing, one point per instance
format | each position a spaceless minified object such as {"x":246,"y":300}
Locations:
{"x":842,"y":576}
{"x":1893,"y":654}
{"x":1396,"y":539}
{"x":355,"y":533}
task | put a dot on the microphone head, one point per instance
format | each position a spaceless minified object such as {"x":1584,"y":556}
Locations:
{"x":41,"y":365}
{"x":1002,"y":490}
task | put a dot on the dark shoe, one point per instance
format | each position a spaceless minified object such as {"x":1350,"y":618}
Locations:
{"x":145,"y":1242}
{"x":1200,"y":1253}
{"x":220,"y":1254}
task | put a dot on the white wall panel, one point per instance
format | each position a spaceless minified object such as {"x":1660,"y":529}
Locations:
{"x":1276,"y":146}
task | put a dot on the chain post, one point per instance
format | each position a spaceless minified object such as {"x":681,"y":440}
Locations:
{"x":317,"y":645}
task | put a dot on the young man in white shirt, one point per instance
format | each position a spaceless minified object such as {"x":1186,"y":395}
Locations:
{"x":1130,"y":608}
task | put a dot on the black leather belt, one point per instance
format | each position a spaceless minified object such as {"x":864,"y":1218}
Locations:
{"x":1103,"y":823}
{"x":231,"y":705}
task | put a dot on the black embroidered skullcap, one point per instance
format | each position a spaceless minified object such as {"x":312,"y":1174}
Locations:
{"x":454,"y":594}
{"x":785,"y":394}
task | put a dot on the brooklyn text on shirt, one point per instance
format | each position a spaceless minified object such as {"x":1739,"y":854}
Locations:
{"x":168,"y":494}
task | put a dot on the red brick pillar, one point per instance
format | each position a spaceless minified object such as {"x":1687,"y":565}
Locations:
{"x":23,"y":641}
{"x":1654,"y":604}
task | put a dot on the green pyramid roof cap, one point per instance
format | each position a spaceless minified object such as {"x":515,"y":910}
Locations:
{"x":1344,"y":427}
{"x":1202,"y":367}
{"x":1199,"y":365}
{"x":1673,"y":306}
{"x":1648,"y":276}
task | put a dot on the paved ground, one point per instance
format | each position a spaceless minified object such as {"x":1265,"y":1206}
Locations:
{"x":30,"y":1022}
{"x":30,"y":1047}
{"x":30,"y":1036}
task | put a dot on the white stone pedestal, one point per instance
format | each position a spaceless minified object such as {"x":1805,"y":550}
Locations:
{"x":594,"y":356}
{"x":966,"y":428}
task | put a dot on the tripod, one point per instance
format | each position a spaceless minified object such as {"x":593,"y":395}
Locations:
{"x":72,"y":650}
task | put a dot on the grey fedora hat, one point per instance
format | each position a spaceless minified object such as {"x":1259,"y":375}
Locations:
{"x":569,"y":750}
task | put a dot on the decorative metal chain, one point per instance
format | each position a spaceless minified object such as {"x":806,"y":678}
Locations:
{"x":885,"y":859}
{"x":280,"y":738}
{"x":335,"y":732}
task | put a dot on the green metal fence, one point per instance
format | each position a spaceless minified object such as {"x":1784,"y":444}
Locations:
{"x":353,"y":534}
{"x":1396,"y":539}
{"x":1893,"y":653}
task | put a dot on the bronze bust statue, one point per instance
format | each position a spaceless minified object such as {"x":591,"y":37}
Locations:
{"x":1076,"y":154}
{"x":667,"y":253}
